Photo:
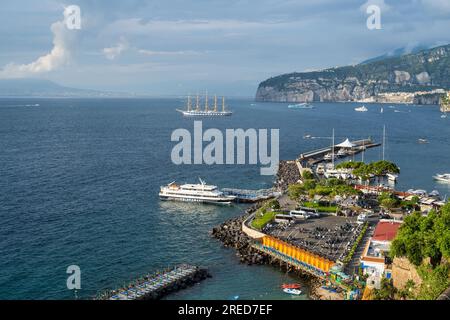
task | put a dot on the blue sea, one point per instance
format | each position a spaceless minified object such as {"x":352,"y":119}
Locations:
{"x":79,"y":182}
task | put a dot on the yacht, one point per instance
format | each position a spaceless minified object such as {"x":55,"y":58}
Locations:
{"x":361,"y":109}
{"x":195,"y":193}
{"x":442,"y":177}
{"x":328,"y":157}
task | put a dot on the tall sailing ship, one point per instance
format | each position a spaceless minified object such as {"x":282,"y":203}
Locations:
{"x":198,"y":112}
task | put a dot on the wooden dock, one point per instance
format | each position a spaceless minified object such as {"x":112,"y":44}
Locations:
{"x":155,"y":286}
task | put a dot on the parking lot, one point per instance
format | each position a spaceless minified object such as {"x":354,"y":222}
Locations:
{"x":329,"y":236}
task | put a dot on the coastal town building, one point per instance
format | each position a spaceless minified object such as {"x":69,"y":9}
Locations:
{"x":374,"y":260}
{"x":445,"y":103}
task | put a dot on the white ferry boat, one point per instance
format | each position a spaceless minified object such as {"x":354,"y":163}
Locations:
{"x":197,"y":112}
{"x":194,"y":193}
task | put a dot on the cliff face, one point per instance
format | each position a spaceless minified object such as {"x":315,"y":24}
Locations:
{"x":402,"y":271}
{"x":425,"y":71}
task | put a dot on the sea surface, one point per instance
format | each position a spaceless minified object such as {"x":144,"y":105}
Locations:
{"x":79,"y":182}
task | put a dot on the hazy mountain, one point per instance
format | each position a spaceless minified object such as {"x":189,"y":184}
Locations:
{"x":46,"y":88}
{"x":426,"y":70}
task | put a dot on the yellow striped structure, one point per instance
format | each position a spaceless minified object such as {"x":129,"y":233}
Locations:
{"x":295,"y":256}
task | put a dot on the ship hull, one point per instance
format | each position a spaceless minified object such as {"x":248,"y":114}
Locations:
{"x":442,"y":179}
{"x":206,"y":113}
{"x":219,"y":201}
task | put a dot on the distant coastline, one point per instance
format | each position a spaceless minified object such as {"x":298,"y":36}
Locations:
{"x":417,"y":78}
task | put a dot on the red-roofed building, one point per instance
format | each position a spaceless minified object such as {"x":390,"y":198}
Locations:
{"x":386,"y":230}
{"x":373,"y":258}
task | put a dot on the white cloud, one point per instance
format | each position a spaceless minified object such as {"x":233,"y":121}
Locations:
{"x":140,"y":26}
{"x":113,"y":52}
{"x":168,"y":53}
{"x":57,"y":57}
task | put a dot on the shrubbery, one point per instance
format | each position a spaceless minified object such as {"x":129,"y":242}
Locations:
{"x":350,"y":254}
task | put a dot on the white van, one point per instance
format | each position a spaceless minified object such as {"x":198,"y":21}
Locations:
{"x":362,"y":218}
{"x":299,"y":214}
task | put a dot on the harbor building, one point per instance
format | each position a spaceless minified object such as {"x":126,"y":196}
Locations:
{"x":374,"y":260}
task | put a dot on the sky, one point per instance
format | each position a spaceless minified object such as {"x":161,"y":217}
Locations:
{"x":176,"y":47}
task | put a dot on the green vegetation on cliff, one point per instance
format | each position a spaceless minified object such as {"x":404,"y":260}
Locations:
{"x":426,"y":70}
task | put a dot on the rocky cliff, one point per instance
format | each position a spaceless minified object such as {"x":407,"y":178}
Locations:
{"x":415,"y":74}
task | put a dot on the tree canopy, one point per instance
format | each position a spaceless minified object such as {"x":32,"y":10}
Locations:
{"x":363,"y":170}
{"x":422,"y":237}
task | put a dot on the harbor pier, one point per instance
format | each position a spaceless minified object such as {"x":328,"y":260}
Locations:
{"x":316,"y":156}
{"x":157,"y":285}
{"x":250,"y":196}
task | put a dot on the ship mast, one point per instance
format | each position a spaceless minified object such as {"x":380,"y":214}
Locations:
{"x":206,"y":102}
{"x":197,"y":105}
{"x":215,"y":103}
{"x":332,"y":149}
{"x":223,"y":104}
{"x":189,"y":103}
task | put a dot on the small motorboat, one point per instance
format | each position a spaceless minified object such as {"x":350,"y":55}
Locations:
{"x":361,"y":109}
{"x":292,"y":291}
{"x":422,"y":141}
{"x":307,"y":136}
{"x":444,"y":116}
